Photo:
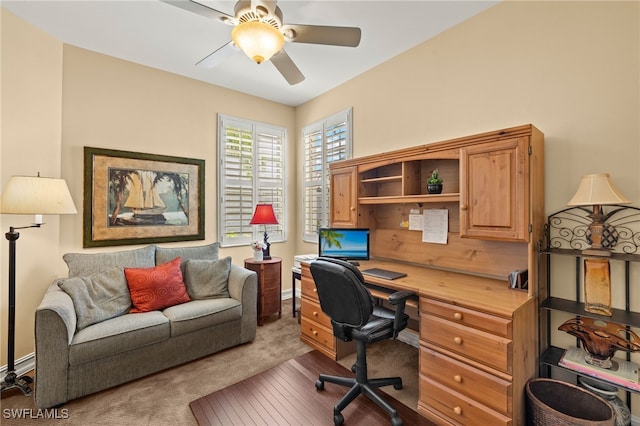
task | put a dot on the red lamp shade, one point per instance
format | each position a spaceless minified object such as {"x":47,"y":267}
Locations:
{"x":264,"y":215}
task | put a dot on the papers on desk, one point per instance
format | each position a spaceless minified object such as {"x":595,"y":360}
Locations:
{"x":433,"y":223}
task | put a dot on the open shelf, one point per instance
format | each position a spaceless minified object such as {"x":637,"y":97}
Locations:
{"x":552,"y":355}
{"x":400,"y":199}
{"x":571,"y":306}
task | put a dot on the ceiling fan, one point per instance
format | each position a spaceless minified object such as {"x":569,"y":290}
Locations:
{"x":259,"y":31}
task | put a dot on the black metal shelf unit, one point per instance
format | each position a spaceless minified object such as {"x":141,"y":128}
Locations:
{"x":567,"y":234}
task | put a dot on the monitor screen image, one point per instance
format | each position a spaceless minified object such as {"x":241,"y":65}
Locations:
{"x":344,"y":243}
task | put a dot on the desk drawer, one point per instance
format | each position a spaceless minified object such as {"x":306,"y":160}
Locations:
{"x":312,"y":310}
{"x":483,"y":347}
{"x":317,"y":333}
{"x":308,"y":288}
{"x":481,"y":321}
{"x":483,"y":387}
{"x":459,"y":408}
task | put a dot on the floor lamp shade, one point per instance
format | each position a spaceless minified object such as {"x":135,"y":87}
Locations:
{"x":37,"y":196}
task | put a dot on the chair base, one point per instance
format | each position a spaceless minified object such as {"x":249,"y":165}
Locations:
{"x":361,"y":384}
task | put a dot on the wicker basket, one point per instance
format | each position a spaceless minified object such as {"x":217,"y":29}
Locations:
{"x":553,"y":402}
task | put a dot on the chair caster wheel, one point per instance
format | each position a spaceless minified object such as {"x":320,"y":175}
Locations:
{"x":319,"y":385}
{"x":397,"y":387}
{"x":353,"y":368}
{"x":396,"y":421}
{"x":338,"y":419}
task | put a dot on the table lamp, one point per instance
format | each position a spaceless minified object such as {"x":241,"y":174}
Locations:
{"x":37,"y":196}
{"x":264,"y":215}
{"x":597,"y":190}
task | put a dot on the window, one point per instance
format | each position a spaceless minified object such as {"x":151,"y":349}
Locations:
{"x":251,"y":171}
{"x":325,"y":141}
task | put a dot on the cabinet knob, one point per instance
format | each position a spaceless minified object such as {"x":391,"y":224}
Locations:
{"x":457,"y":316}
{"x":315,"y":313}
{"x":457,"y":410}
{"x":315,"y":333}
{"x":463,"y":207}
{"x":315,"y":290}
{"x":352,"y":209}
{"x":457,"y":340}
{"x":457,"y":378}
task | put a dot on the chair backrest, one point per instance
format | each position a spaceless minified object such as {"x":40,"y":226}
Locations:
{"x":341,"y":291}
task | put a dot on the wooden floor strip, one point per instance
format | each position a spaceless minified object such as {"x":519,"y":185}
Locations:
{"x":286,"y":395}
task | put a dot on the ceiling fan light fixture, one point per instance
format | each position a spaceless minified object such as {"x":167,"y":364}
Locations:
{"x":258,"y":40}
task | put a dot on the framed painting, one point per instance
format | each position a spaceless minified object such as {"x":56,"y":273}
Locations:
{"x":137,"y":198}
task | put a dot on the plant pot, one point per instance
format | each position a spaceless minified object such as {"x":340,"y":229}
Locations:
{"x":434,"y":188}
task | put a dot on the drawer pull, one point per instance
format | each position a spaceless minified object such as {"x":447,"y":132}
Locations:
{"x":457,"y":316}
{"x":315,"y":313}
{"x":457,"y":340}
{"x":457,"y":410}
{"x":315,"y":290}
{"x":315,"y":333}
{"x":457,"y":378}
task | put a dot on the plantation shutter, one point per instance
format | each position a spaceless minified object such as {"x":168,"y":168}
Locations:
{"x":324,"y":142}
{"x":251,"y":171}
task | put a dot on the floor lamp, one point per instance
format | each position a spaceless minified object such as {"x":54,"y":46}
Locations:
{"x":33,"y":196}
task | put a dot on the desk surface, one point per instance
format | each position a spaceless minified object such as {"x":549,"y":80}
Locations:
{"x":490,"y":295}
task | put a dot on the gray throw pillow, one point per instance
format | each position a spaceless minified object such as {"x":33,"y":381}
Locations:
{"x":98,"y":297}
{"x":207,"y":279}
{"x":85,"y":264}
{"x":206,"y":252}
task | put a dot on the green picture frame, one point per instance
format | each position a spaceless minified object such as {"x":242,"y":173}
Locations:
{"x":140,"y":198}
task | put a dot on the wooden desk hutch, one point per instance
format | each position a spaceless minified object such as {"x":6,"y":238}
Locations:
{"x":478,"y":337}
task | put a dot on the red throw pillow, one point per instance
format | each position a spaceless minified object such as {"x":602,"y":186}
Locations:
{"x":156,"y":288}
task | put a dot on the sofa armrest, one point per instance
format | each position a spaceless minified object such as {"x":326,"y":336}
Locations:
{"x":55,"y":327}
{"x":243,"y":286}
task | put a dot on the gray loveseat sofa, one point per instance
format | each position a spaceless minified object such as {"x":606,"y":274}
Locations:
{"x":73,"y":361}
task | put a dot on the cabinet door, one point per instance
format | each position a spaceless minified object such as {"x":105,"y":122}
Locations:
{"x":494,"y":190}
{"x":344,"y":197}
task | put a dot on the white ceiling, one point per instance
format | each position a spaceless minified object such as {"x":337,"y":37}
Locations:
{"x":162,"y":36}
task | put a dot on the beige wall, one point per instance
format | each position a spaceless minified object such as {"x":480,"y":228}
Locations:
{"x":58,"y":98}
{"x":570,"y":68}
{"x":31,"y":76}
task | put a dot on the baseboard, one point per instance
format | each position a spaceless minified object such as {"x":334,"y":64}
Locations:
{"x":22,"y":365}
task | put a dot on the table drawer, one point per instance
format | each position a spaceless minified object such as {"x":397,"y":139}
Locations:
{"x":459,"y":408}
{"x":489,"y":349}
{"x":313,"y":311}
{"x":480,"y":320}
{"x":308,"y":289}
{"x":483,"y":387}
{"x":319,"y":334}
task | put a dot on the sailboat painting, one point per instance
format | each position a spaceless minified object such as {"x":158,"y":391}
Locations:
{"x":138,"y":198}
{"x":148,"y":197}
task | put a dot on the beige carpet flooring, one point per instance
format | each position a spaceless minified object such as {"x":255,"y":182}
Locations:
{"x":163,"y":398}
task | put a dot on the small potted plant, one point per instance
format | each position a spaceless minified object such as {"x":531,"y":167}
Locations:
{"x":434,"y":183}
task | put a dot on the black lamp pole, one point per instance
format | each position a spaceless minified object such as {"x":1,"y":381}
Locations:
{"x":11,"y":380}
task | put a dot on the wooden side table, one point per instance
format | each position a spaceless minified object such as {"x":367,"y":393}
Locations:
{"x":269,"y":286}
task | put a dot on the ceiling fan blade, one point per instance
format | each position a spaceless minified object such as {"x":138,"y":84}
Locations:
{"x":199,"y":8}
{"x":287,"y":68}
{"x":218,"y":56}
{"x":321,"y":34}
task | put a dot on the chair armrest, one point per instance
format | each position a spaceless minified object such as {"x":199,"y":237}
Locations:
{"x":243,"y":286}
{"x":399,"y":300}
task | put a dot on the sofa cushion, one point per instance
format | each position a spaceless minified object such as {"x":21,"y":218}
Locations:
{"x":99,"y":296}
{"x":156,"y":288}
{"x":85,"y":264}
{"x":206,"y":252}
{"x":118,"y":335}
{"x":199,"y":314}
{"x":207,"y":279}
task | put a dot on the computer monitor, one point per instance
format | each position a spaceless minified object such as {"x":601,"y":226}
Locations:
{"x":344,"y":243}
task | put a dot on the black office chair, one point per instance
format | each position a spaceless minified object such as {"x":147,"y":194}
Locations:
{"x":354,"y":316}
